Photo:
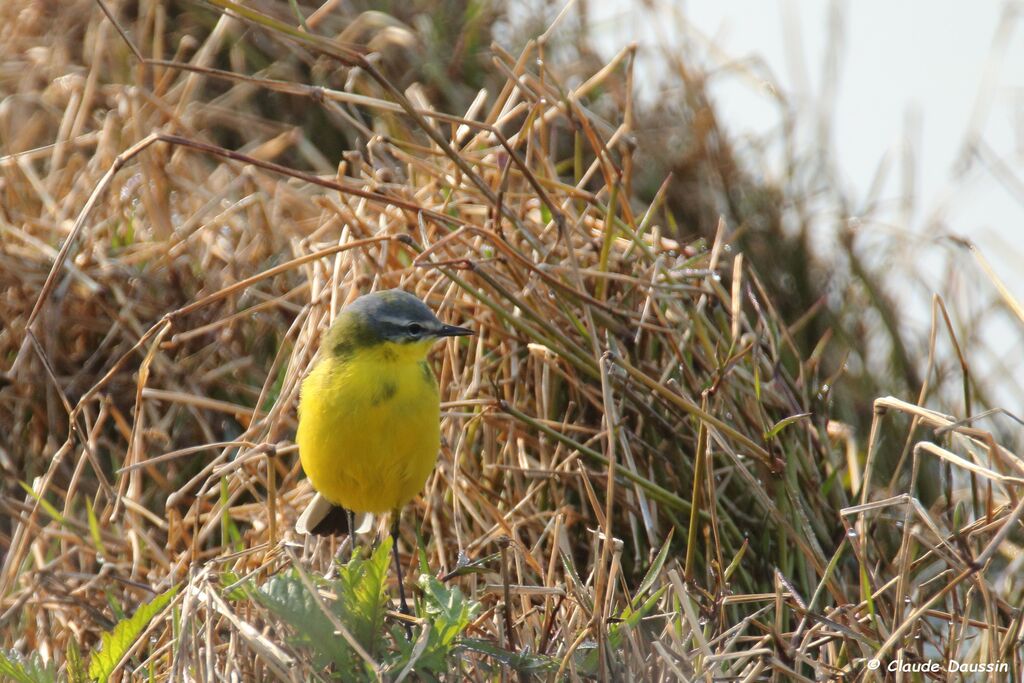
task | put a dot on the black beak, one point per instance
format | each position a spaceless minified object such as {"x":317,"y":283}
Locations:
{"x":454,"y":331}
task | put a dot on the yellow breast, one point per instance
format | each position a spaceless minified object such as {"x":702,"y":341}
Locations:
{"x":369,"y":427}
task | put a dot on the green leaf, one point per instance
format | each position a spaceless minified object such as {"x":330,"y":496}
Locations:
{"x":466,"y":566}
{"x":652,"y":574}
{"x":229,"y":534}
{"x":959,"y":515}
{"x":360,"y":606}
{"x":629,"y":618}
{"x":360,"y":603}
{"x":115,"y":605}
{"x":94,"y":528}
{"x":523,"y":662}
{"x":782,"y":424}
{"x":362,"y":596}
{"x":118,"y":641}
{"x":47,"y":507}
{"x":446,"y":609}
{"x":735,"y":564}
{"x":14,"y":667}
{"x":287,"y":598}
{"x":237,"y":590}
{"x":75,"y":665}
{"x":447,"y":613}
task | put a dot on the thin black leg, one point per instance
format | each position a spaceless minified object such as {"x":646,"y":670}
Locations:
{"x":351,"y":516}
{"x":403,"y":606}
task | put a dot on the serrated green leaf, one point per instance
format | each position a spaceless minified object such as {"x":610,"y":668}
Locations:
{"x":361,"y":587}
{"x":447,"y":613}
{"x":360,"y":605}
{"x":447,"y":610}
{"x":287,"y":598}
{"x":14,"y":667}
{"x":74,"y":664}
{"x":118,"y":641}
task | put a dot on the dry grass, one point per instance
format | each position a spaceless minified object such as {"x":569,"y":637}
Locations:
{"x":627,"y":392}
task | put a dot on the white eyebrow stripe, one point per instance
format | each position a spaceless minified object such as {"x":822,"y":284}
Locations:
{"x":405,"y":321}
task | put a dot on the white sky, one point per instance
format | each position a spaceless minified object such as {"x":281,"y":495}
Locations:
{"x":914,"y":77}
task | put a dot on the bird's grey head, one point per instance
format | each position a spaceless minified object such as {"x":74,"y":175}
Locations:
{"x":393,"y":316}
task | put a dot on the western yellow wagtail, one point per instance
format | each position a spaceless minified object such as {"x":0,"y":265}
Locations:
{"x":370,"y":413}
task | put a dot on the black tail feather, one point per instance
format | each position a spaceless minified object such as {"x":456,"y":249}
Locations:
{"x":334,"y":523}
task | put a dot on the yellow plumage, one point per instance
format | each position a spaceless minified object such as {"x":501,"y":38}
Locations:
{"x":370,"y":415}
{"x":369,"y":425}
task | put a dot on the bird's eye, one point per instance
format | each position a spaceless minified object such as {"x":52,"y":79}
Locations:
{"x":415,"y":329}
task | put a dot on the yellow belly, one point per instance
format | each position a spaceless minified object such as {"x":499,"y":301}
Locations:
{"x":369,"y":432}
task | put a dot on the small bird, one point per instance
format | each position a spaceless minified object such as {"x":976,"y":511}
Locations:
{"x":370,"y":412}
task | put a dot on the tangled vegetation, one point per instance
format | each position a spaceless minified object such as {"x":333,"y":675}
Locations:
{"x":651,"y":466}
